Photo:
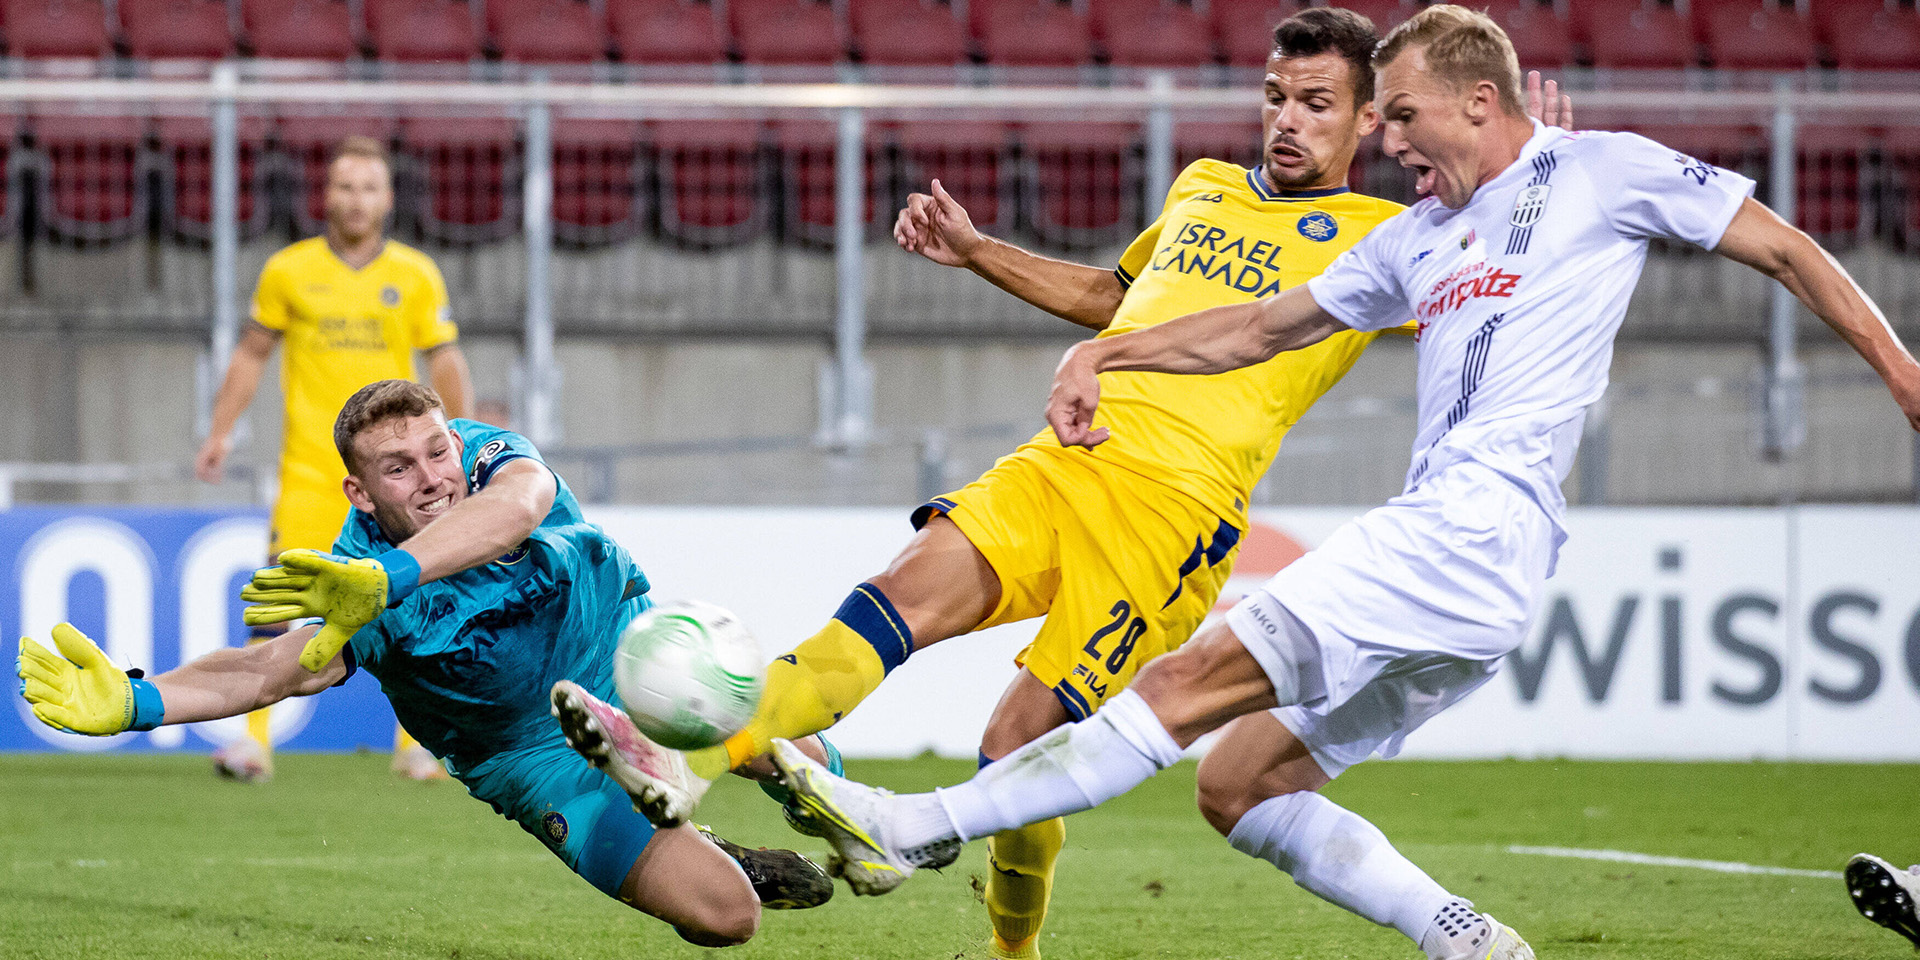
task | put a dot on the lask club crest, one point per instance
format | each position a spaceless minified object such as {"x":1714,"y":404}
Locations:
{"x":1532,"y":203}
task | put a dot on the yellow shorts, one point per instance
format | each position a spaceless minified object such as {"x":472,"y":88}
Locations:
{"x":307,"y":515}
{"x":1124,"y":569}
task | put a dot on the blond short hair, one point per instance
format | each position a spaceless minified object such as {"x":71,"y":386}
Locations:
{"x":1463,"y":48}
{"x":360,"y":146}
{"x":376,"y":402}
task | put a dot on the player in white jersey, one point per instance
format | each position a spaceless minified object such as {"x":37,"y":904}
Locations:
{"x":1518,"y":267}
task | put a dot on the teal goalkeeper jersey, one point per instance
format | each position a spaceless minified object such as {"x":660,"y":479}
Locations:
{"x":468,"y":661}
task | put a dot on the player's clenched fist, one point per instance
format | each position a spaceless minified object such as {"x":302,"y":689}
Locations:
{"x":79,"y":690}
{"x":1075,"y":396}
{"x":347,"y":593}
{"x":937,"y":227}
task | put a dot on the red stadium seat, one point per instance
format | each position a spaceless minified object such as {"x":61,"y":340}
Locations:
{"x":1829,"y":184}
{"x":299,"y":29}
{"x":786,"y":31}
{"x":907,"y":33}
{"x":308,"y":140}
{"x":186,"y":150}
{"x":598,"y":180}
{"x":808,"y":192}
{"x":1733,"y":146}
{"x":1153,"y":33}
{"x":1902,"y":147}
{"x":1082,"y":182}
{"x":92,"y":184}
{"x":9,"y":204}
{"x":710,"y":176}
{"x":1385,"y":14}
{"x":1238,"y":142}
{"x":422,"y":31}
{"x":1243,"y":29}
{"x":546,"y":31}
{"x":1633,"y":35}
{"x":1758,"y":36}
{"x":1031,"y":33}
{"x":176,"y":29}
{"x":666,"y":31}
{"x":57,"y":28}
{"x":1540,"y":37}
{"x":969,"y":158}
{"x":1868,"y":35}
{"x":470,"y":176}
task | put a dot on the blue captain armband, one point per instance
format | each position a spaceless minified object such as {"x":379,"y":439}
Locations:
{"x":148,"y":711}
{"x":403,"y":575}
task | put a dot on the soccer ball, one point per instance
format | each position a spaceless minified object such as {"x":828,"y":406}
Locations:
{"x":689,"y":674}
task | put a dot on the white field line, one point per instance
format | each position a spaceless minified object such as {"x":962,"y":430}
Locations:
{"x":1718,"y":866}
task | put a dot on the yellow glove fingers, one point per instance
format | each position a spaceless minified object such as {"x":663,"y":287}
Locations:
{"x":256,"y":591}
{"x":37,"y":658}
{"x":51,"y":716}
{"x":280,"y":577}
{"x":323,"y":646}
{"x":276,"y":597}
{"x":261,"y":614}
{"x":310,"y":562}
{"x":77,"y":647}
{"x":40,"y":687}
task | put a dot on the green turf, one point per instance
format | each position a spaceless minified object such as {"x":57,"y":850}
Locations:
{"x":132,"y":857}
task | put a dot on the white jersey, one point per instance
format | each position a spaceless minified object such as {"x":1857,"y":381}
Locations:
{"x":1518,"y":294}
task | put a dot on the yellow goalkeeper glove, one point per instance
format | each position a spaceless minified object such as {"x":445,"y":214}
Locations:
{"x":347,"y":593}
{"x":80,"y":691}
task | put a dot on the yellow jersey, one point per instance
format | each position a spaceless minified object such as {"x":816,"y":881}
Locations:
{"x":344,"y":329}
{"x":1222,"y":237}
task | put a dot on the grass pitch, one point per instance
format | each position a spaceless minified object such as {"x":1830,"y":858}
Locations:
{"x":136,"y":857}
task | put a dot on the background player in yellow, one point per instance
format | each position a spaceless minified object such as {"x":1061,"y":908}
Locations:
{"x":1123,"y":548}
{"x":353,"y":307}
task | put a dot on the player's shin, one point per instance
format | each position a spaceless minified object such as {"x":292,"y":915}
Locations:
{"x":810,"y":688}
{"x":1074,"y":767}
{"x":1020,"y":885}
{"x":1340,"y":857}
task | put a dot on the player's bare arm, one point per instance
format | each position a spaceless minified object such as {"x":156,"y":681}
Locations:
{"x":937,"y":227}
{"x":447,"y":371}
{"x":1758,"y":238}
{"x":242,"y":381}
{"x":1210,"y":341}
{"x":236,"y":680}
{"x":478,"y":529}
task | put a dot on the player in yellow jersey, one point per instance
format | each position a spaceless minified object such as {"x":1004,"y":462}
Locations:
{"x":1123,"y":548}
{"x":353,"y":308}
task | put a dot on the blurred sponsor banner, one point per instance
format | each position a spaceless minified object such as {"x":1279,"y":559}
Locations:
{"x":155,"y":588}
{"x":1667,"y":633}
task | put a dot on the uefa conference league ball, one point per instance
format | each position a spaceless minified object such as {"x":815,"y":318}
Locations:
{"x":689,"y":674}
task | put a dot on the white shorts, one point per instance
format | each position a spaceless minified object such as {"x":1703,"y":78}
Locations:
{"x":1400,"y":613}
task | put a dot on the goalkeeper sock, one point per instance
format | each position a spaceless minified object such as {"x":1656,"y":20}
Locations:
{"x":1022,"y":879}
{"x":259,"y":722}
{"x":827,"y":675}
{"x":1337,"y":855}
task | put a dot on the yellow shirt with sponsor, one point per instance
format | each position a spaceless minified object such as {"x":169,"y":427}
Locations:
{"x":344,"y":329}
{"x":1222,"y":238}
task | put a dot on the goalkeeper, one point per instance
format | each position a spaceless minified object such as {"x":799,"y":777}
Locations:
{"x":476,"y":585}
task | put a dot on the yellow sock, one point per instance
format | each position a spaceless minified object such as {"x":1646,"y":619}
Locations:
{"x":1020,"y":884}
{"x":402,"y":740}
{"x":818,"y":682}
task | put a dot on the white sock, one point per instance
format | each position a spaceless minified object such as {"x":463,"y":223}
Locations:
{"x":1337,"y":855}
{"x":1076,"y":766}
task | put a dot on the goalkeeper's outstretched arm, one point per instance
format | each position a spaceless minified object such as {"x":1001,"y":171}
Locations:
{"x":238,"y":680}
{"x":72,"y":685}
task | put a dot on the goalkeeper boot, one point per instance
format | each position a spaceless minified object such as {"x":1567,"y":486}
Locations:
{"x":655,"y":778}
{"x":782,"y":879}
{"x":1888,"y":897}
{"x":855,"y":819}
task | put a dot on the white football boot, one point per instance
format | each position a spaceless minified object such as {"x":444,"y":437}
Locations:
{"x":655,"y":778}
{"x":1888,"y":897}
{"x":1467,"y":935}
{"x":243,"y":760}
{"x":853,"y":818}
